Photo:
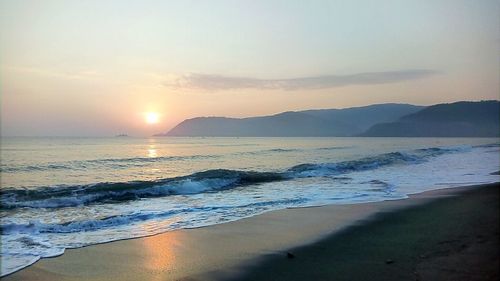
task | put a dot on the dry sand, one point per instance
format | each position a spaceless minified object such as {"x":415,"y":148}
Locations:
{"x":220,"y":251}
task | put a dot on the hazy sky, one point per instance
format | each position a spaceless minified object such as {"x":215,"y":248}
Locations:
{"x":96,"y":67}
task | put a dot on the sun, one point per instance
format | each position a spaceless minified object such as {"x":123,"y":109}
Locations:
{"x":152,"y":117}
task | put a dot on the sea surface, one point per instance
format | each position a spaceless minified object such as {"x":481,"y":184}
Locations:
{"x":60,"y":193}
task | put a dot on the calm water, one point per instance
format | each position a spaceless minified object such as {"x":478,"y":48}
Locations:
{"x":60,"y":193}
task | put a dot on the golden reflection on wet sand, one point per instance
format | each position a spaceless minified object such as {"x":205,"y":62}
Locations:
{"x":161,"y":251}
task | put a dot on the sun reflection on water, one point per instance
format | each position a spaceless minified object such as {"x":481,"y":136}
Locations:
{"x":152,"y":152}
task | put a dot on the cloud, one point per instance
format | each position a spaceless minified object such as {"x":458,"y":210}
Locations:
{"x":86,"y":74}
{"x":219,"y":82}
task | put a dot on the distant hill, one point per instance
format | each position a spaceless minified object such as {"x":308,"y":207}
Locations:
{"x":315,"y":123}
{"x":364,"y":117}
{"x":459,"y":119}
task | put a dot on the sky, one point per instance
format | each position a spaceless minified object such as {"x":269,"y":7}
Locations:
{"x":98,"y":67}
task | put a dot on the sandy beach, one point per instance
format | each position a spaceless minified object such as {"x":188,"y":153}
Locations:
{"x":448,"y":234}
{"x":249,"y":140}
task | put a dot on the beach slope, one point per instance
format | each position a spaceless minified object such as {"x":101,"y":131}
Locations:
{"x":448,"y":234}
{"x":455,"y":238}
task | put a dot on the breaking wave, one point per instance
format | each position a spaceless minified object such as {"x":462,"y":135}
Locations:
{"x":113,"y":221}
{"x":207,"y":181}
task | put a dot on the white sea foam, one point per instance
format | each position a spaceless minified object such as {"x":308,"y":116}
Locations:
{"x":43,"y":221}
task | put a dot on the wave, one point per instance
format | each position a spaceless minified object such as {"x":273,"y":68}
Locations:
{"x":109,"y":192}
{"x":120,"y":163}
{"x":489,"y":145}
{"x":381,"y":186}
{"x":234,"y":144}
{"x":123,"y":163}
{"x":207,"y":181}
{"x":369,"y":163}
{"x":282,"y":150}
{"x":334,"y":147}
{"x":112,"y":162}
{"x":266,"y":151}
{"x":119,"y":220}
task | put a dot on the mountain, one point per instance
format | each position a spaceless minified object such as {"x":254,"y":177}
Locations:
{"x":364,"y":117}
{"x":459,"y":119}
{"x":315,"y":123}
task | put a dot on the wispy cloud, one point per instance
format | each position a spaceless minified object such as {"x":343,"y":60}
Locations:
{"x":219,"y":82}
{"x":85,"y":74}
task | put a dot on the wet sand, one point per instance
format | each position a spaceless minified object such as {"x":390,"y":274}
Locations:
{"x":450,"y":239}
{"x":342,"y":242}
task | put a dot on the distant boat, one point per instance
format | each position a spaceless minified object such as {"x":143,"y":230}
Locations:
{"x":121,"y":135}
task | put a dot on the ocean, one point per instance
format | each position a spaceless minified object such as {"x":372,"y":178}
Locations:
{"x":60,"y":193}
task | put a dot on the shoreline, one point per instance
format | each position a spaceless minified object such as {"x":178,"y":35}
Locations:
{"x":218,"y":251}
{"x":454,"y":238}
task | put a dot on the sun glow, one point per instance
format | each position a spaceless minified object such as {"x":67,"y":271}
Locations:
{"x":152,"y":117}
